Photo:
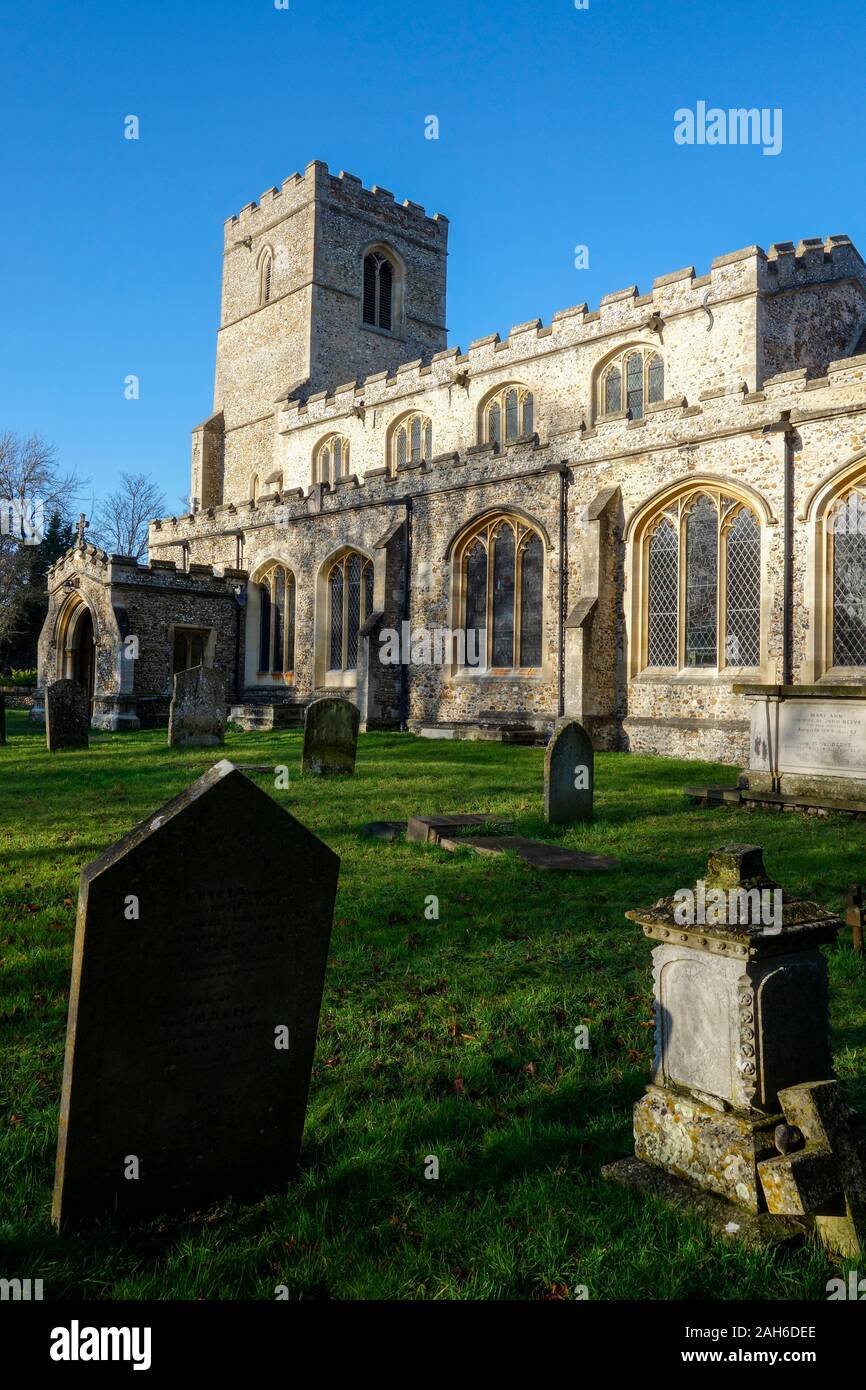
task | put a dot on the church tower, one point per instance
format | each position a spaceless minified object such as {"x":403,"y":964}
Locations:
{"x":324,"y":282}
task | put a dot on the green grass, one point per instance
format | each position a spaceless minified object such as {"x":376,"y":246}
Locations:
{"x":452,"y":1037}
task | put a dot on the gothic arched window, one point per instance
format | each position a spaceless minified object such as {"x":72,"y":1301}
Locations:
{"x":847,"y":528}
{"x":331,"y":460}
{"x":643,"y":372}
{"x":276,"y":585}
{"x":508,"y":416}
{"x":378,"y":290}
{"x":350,"y":603}
{"x":500,"y":567}
{"x":411,"y":441}
{"x":703,"y":567}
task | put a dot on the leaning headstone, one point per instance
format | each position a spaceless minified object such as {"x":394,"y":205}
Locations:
{"x":197,"y":978}
{"x":330,"y":737}
{"x":67,"y":715}
{"x":197,"y":714}
{"x":2,"y":719}
{"x":568,"y":775}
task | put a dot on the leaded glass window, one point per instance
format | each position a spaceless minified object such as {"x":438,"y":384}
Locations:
{"x":412,"y":440}
{"x":663,"y":596}
{"x":655,"y":380}
{"x":702,"y":569}
{"x":277,"y":621}
{"x":502,"y":566}
{"x":743,"y":591}
{"x":849,"y":581}
{"x":331,"y":460}
{"x":531,"y":572}
{"x":350,"y":603}
{"x":634,"y":385}
{"x":644,"y":375}
{"x":613,"y":391}
{"x":476,"y":602}
{"x":514,"y":405}
{"x":503,"y":597}
{"x":704,"y":563}
{"x":378,"y":290}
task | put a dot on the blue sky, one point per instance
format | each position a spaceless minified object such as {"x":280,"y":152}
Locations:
{"x":556,"y":129}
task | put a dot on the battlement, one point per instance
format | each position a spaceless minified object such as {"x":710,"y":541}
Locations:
{"x":318,"y":182}
{"x":625,"y":312}
{"x":90,"y":561}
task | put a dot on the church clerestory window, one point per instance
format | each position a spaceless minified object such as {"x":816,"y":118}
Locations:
{"x":508,"y":416}
{"x":631,"y":382}
{"x":331,"y":460}
{"x":411,"y":441}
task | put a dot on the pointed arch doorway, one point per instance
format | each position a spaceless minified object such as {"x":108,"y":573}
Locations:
{"x":77,"y":651}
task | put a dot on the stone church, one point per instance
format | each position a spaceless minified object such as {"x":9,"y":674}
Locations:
{"x":626,"y":512}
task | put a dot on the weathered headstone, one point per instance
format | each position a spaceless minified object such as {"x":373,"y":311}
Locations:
{"x":67,"y":715}
{"x":2,"y":719}
{"x":742,"y":1022}
{"x":197,"y":978}
{"x":568,"y":775}
{"x":197,"y":714}
{"x":330,"y":737}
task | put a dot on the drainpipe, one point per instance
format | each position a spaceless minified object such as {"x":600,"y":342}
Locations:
{"x":563,"y":582}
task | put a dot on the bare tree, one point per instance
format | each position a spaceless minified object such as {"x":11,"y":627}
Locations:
{"x":30,"y":484}
{"x":120,"y":523}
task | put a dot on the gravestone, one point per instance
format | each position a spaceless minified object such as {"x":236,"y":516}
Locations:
{"x":568,"y":775}
{"x":330,"y":737}
{"x":67,"y":715}
{"x":197,"y":714}
{"x":197,"y":977}
{"x":807,"y":741}
{"x":742,"y":1019}
{"x":2,"y":719}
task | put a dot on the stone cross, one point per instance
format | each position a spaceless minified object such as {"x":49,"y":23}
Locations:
{"x":825,"y":1178}
{"x":82,"y":526}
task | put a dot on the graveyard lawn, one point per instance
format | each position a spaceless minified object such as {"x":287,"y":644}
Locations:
{"x":451,"y":1037}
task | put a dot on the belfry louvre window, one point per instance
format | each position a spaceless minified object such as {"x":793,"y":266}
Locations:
{"x":266,"y":265}
{"x":350,"y":603}
{"x":509,"y":416}
{"x":703,"y":571}
{"x":847,"y":531}
{"x":501,"y":568}
{"x":378,"y":291}
{"x":412,"y":441}
{"x":331,"y":460}
{"x":643,"y":373}
{"x":277,"y":621}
